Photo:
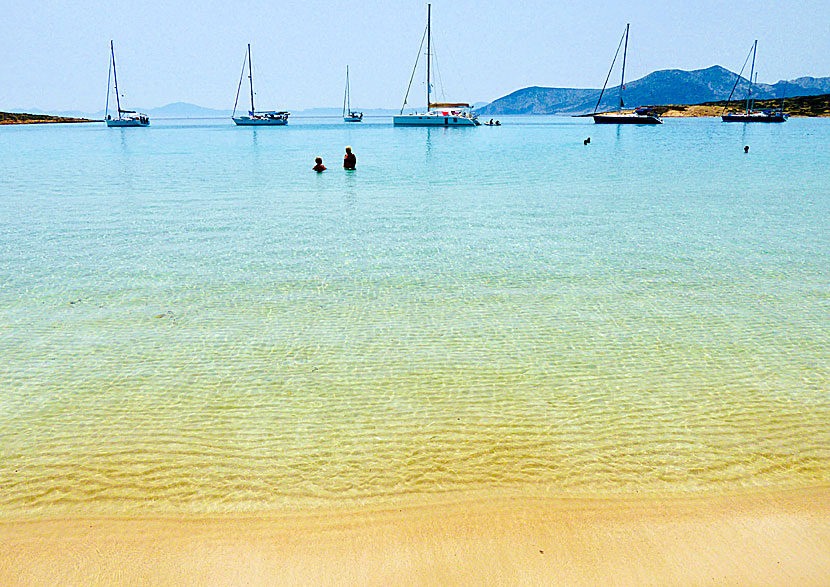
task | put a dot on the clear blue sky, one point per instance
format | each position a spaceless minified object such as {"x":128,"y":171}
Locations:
{"x":55,"y":53}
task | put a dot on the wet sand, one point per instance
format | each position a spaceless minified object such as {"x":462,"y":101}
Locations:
{"x":764,"y":538}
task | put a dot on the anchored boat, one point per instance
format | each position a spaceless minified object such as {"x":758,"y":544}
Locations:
{"x":756,"y":116}
{"x":438,"y":113}
{"x":254,"y":118}
{"x":349,"y":115}
{"x":641,"y":115}
{"x":124,"y":118}
{"x":751,"y":115}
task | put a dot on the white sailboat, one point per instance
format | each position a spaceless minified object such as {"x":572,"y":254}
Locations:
{"x":639,"y":115}
{"x":438,"y":113}
{"x":123,"y":118}
{"x":349,"y":115}
{"x":254,"y":118}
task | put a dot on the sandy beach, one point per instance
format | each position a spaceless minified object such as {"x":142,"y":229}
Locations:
{"x":764,"y":538}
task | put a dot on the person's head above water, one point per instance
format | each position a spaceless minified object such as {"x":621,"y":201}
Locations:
{"x":318,"y":160}
{"x":348,"y":149}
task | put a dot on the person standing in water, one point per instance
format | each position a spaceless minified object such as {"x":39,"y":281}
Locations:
{"x":349,"y":161}
{"x":319,"y":168}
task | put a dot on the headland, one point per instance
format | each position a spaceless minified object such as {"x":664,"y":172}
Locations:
{"x":23,"y":118}
{"x":801,"y":106}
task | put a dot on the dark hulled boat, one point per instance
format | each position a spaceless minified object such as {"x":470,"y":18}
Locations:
{"x":755,"y":116}
{"x":750,"y":115}
{"x":638,"y":116}
{"x":642,"y":115}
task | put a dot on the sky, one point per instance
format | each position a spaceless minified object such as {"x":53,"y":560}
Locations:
{"x":56,"y":53}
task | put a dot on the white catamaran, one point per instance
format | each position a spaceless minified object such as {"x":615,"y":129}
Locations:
{"x":254,"y":118}
{"x":124,"y":118}
{"x":641,"y":115}
{"x":438,"y":113}
{"x":752,"y":115}
{"x":349,"y":115}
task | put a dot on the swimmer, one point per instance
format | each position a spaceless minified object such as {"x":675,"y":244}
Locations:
{"x":349,"y":160}
{"x":319,"y":168}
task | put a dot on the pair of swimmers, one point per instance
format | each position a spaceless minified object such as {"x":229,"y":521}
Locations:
{"x":349,"y":162}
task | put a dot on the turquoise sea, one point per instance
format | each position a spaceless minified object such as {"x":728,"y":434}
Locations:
{"x":191,"y":320}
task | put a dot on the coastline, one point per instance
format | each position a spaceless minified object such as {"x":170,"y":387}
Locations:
{"x":796,"y":107}
{"x":770,"y":537}
{"x":23,"y":118}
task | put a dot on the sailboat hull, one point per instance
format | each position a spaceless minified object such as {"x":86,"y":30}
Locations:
{"x":626,"y":119}
{"x":126,"y":123}
{"x":248,"y":121}
{"x":433,"y":120}
{"x":754,"y":117}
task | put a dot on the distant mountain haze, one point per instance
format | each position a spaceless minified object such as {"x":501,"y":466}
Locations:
{"x":668,"y":86}
{"x":187,"y":110}
{"x":664,"y":87}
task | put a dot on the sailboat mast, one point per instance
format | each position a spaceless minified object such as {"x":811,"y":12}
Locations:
{"x":429,"y":34}
{"x":347,"y":100}
{"x":109,"y":81}
{"x":751,"y":72}
{"x":752,"y":104}
{"x":622,"y":77}
{"x":115,"y":77}
{"x":251,"y":79}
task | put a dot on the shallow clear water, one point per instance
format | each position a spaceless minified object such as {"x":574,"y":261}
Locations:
{"x":193,"y":320}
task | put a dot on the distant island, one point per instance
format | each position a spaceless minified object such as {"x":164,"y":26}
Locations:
{"x":660,"y":88}
{"x":22,"y":118}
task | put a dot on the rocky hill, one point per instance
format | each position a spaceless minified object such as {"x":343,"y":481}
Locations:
{"x":668,"y":86}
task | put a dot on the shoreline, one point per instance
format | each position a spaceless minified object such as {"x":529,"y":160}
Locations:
{"x":769,"y":537}
{"x":24,"y":118}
